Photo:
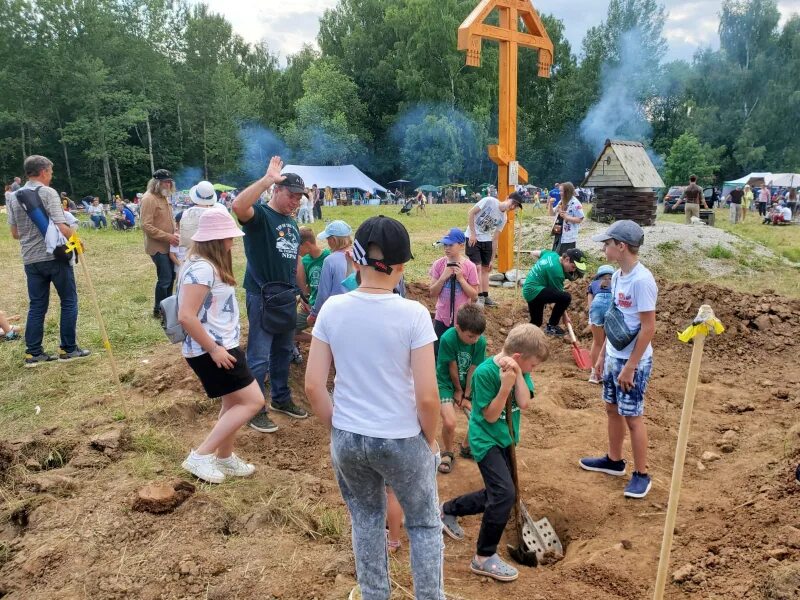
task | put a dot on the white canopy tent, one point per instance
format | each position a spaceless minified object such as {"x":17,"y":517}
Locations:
{"x":767,"y":177}
{"x":786,"y":179}
{"x":341,"y":177}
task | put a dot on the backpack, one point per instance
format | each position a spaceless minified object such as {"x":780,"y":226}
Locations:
{"x":168,"y":308}
{"x":31,"y":202}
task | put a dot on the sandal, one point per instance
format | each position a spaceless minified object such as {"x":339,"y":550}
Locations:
{"x":465,"y":452}
{"x":494,"y":567}
{"x":447,"y":462}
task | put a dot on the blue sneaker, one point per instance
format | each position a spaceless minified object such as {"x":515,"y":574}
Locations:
{"x":604,"y":465}
{"x":638,"y":486}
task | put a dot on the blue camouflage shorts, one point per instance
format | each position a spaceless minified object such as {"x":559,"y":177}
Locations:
{"x":631,"y":403}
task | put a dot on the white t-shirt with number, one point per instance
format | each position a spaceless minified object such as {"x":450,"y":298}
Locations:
{"x":633,"y":293}
{"x":371,"y":337}
{"x":219,"y":313}
{"x":489,"y":220}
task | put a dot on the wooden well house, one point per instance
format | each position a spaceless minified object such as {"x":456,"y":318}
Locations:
{"x":624,"y":181}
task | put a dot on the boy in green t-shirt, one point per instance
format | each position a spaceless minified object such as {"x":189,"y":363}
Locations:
{"x":308,"y":277}
{"x":461,"y":349}
{"x":545,"y":285}
{"x":507,"y":373}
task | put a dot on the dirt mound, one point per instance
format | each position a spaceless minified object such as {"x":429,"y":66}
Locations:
{"x":736,"y":535}
{"x":160,"y":498}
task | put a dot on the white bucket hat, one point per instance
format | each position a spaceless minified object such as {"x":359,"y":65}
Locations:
{"x":203,"y":194}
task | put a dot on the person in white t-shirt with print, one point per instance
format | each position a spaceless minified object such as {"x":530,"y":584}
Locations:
{"x":570,"y":212}
{"x":627,"y":369}
{"x":385,"y":416}
{"x":486,"y":220}
{"x":209,"y":313}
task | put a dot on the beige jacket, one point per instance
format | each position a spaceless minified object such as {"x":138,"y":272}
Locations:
{"x":157,"y":222}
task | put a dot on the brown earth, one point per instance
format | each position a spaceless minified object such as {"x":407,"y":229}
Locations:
{"x":67,"y":528}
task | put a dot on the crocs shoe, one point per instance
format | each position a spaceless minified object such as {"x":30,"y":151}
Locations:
{"x":450,"y":525}
{"x":203,"y":467}
{"x":604,"y":465}
{"x":494,"y":567}
{"x":235,"y":466}
{"x":638,"y":486}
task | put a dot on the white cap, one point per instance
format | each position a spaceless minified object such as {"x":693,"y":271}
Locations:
{"x":203,"y":194}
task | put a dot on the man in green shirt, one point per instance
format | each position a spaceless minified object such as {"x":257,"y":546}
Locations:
{"x":271,"y":247}
{"x":497,"y":378}
{"x":461,"y":349}
{"x":545,"y":285}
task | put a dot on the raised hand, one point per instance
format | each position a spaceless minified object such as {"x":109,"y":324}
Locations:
{"x":274,"y":169}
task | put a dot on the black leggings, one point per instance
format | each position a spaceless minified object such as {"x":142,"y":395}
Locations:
{"x":439,"y":328}
{"x":559,"y":300}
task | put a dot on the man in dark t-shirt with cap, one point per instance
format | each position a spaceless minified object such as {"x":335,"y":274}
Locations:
{"x":271,"y":245}
{"x":692,"y":196}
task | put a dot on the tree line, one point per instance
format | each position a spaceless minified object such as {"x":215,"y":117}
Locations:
{"x":112,"y":89}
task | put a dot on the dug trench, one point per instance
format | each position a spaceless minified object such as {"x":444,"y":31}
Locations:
{"x":71,"y":526}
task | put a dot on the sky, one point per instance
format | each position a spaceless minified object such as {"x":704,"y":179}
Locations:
{"x":287,"y":24}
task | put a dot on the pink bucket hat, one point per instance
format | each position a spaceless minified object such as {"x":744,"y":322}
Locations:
{"x":216,"y":225}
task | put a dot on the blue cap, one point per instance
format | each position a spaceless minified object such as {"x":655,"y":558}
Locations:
{"x":604,"y":270}
{"x":337,"y":228}
{"x":454,"y":236}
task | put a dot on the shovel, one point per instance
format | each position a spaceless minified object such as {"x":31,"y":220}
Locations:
{"x":581,"y":355}
{"x":534,"y":538}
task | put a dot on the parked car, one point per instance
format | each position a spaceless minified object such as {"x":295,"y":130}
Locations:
{"x":671,"y":198}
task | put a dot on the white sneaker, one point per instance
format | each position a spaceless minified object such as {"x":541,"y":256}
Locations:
{"x":203,"y":467}
{"x":594,"y":378}
{"x":480,"y":301}
{"x":235,"y":466}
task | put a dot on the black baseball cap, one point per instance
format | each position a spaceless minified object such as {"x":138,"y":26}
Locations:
{"x":294,"y":183}
{"x":517,"y":199}
{"x":390,"y":236}
{"x":578,"y":259}
{"x":162,"y":175}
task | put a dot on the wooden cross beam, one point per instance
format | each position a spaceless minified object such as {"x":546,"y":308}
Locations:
{"x":471,"y":34}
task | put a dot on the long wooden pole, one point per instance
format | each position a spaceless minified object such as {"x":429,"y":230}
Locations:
{"x":103,"y":332}
{"x":677,"y":468}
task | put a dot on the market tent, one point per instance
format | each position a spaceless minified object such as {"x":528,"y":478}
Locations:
{"x":786,"y":179}
{"x":766,"y":177}
{"x":342,"y":177}
{"x":221,"y":187}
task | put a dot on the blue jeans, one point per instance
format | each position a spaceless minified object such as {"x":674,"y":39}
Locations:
{"x":165,"y":272}
{"x":40,"y":275}
{"x":98,"y":219}
{"x":364,"y":466}
{"x":269,"y":353}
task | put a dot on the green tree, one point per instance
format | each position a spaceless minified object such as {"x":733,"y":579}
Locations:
{"x":689,"y":157}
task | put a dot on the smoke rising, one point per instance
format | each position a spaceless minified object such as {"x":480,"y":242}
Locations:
{"x":619,"y":114}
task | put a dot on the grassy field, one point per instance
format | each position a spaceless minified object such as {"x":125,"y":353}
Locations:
{"x":124,"y":276}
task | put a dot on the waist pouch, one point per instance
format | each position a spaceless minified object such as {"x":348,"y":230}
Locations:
{"x":278,"y":307}
{"x":616,"y":330}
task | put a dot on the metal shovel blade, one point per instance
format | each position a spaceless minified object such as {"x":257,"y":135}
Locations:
{"x":540,"y":537}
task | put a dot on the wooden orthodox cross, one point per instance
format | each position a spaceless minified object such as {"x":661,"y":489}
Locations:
{"x":470,"y":35}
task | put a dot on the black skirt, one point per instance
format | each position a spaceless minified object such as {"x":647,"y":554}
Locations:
{"x":220,"y":382}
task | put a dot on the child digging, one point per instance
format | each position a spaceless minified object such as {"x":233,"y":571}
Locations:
{"x":493,"y":381}
{"x":598,"y":299}
{"x":629,"y":325}
{"x":461,"y":349}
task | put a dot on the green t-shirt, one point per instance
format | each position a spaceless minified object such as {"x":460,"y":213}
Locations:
{"x":313,"y":268}
{"x":546,"y":273}
{"x":270,"y":244}
{"x":482,"y":434}
{"x":451,"y":348}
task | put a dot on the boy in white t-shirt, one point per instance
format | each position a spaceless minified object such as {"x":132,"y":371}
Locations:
{"x":385,"y":416}
{"x":486,"y":220}
{"x":628,"y":365}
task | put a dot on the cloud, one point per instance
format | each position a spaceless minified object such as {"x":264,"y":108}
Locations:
{"x":287,"y":25}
